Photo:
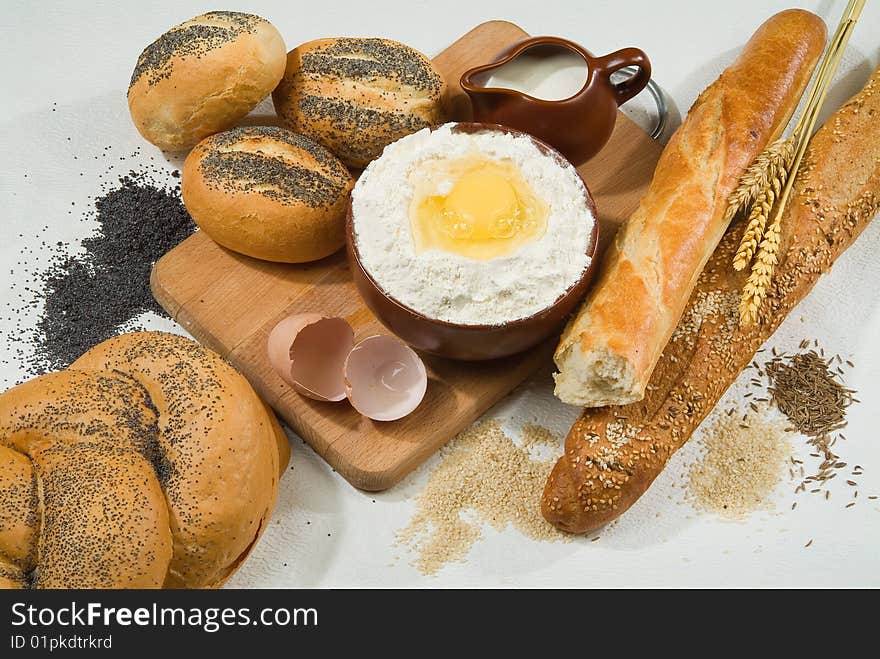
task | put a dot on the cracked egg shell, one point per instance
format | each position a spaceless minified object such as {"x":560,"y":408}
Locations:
{"x":384,"y":378}
{"x":308,"y":351}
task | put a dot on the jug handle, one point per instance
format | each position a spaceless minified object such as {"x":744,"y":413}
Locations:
{"x":608,"y":64}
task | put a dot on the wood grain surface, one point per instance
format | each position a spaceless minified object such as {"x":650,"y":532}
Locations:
{"x":230,"y":302}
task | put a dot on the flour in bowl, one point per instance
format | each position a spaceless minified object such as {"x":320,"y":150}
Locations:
{"x":472,"y":228}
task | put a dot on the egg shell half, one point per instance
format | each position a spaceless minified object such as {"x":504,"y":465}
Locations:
{"x":384,"y":378}
{"x":309,"y":351}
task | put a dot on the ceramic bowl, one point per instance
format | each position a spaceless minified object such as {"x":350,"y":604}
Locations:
{"x":472,"y":342}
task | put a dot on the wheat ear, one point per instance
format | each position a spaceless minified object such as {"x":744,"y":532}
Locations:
{"x":755,"y":289}
{"x":754,"y":232}
{"x":758,"y":283}
{"x":755,"y":229}
{"x":758,"y":176}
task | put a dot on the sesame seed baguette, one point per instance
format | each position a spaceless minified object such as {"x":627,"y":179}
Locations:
{"x":607,"y":353}
{"x":613,"y":454}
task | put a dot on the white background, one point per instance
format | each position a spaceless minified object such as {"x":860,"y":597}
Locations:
{"x":79,"y":56}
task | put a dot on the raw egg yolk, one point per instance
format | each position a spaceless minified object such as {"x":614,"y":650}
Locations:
{"x":488,"y":211}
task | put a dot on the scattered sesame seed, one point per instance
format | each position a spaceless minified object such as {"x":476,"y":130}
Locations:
{"x":740,"y":466}
{"x":484,"y":472}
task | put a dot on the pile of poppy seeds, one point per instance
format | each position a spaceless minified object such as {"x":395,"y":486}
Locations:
{"x":84,"y":296}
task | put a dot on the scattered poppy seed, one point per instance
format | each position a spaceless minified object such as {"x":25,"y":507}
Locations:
{"x":86,"y":296}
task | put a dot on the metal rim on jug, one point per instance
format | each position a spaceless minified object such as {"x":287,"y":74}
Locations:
{"x":656,"y":94}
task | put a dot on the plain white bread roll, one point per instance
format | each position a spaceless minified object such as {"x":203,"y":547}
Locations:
{"x":202,"y":76}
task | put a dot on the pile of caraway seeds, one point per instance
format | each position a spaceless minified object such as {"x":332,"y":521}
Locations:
{"x":808,"y":388}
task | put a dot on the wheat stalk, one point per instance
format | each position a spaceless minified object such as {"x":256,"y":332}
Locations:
{"x":771,"y":176}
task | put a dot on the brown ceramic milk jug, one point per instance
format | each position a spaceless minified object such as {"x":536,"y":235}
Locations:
{"x":579,"y":125}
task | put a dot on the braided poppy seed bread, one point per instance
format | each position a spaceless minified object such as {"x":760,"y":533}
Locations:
{"x":268,"y":193}
{"x":81,"y":484}
{"x":355,"y":96}
{"x":613,"y":454}
{"x":202,"y":76}
{"x":220,"y":444}
{"x":149,"y":463}
{"x":18,"y":516}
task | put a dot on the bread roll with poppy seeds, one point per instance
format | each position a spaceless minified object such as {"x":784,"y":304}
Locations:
{"x":202,"y":76}
{"x":355,"y":96}
{"x":268,"y":193}
{"x":149,"y":463}
{"x":613,"y":454}
{"x":607,"y":353}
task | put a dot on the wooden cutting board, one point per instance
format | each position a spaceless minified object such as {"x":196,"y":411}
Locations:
{"x":230,"y":303}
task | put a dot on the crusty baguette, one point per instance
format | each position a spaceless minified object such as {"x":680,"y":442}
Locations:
{"x":613,"y":454}
{"x":607,"y":353}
